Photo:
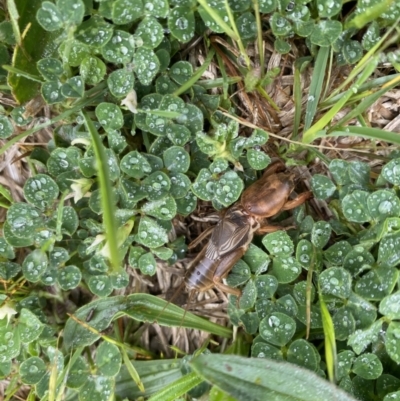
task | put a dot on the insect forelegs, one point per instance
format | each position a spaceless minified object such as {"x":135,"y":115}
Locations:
{"x":300,"y":199}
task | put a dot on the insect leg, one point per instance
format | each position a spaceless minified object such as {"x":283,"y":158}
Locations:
{"x":290,"y":204}
{"x":224,"y":267}
{"x":271,"y":229}
{"x":200,"y":238}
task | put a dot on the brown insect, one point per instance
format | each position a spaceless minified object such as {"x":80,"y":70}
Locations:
{"x":232,"y":235}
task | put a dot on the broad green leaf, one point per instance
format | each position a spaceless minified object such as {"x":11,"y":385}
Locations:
{"x":150,"y":31}
{"x":34,"y":265}
{"x":176,"y":159}
{"x":285,"y":268}
{"x":256,"y":259}
{"x":100,"y":285}
{"x":391,"y":172}
{"x":71,"y":10}
{"x":392,"y":341}
{"x":119,"y":49}
{"x":6,"y":128}
{"x":355,"y":208}
{"x":74,"y":87}
{"x":156,"y":185}
{"x":264,"y":350}
{"x":321,"y":234}
{"x":108,"y":359}
{"x":326,"y":32}
{"x":340,"y":171}
{"x":146,"y":65}
{"x":304,"y":354}
{"x":50,"y":68}
{"x":32,"y":370}
{"x":382,"y":204}
{"x":246,"y":24}
{"x":187,"y":204}
{"x":390,"y":306}
{"x":150,"y":233}
{"x":180,"y":185}
{"x":367,"y":366}
{"x":125,"y":11}
{"x":9,"y":340}
{"x":95,"y":32}
{"x":147,"y":264}
{"x":278,"y":243}
{"x":360,"y":339}
{"x":157,"y":8}
{"x":51,"y":92}
{"x":135,"y":165}
{"x":267,"y":6}
{"x":280,"y":25}
{"x":249,"y":295}
{"x":181,"y":72}
{"x":377,"y":283}
{"x":277,"y":328}
{"x":69,"y":277}
{"x":233,"y":373}
{"x":50,"y":17}
{"x":96,"y":388}
{"x":300,"y":292}
{"x":328,"y":8}
{"x":181,"y":22}
{"x":120,"y":82}
{"x":345,"y":361}
{"x":337,"y":252}
{"x":387,"y":253}
{"x":41,"y":190}
{"x":92,"y":70}
{"x":109,"y":116}
{"x":78,"y":373}
{"x":335,"y":281}
{"x":257,"y":159}
{"x":322,"y":186}
{"x":344,"y":323}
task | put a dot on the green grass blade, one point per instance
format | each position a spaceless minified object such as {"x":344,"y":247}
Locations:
{"x":218,"y":20}
{"x":155,"y":375}
{"x":367,"y":86}
{"x":313,"y":132}
{"x":177,"y":388}
{"x":316,"y":86}
{"x":299,"y":67}
{"x":132,"y":371}
{"x":369,"y":14}
{"x":79,"y":106}
{"x":367,"y":132}
{"x":107,"y":195}
{"x":148,"y":308}
{"x":330,"y":340}
{"x":367,"y":102}
{"x":364,"y":62}
{"x":197,"y":75}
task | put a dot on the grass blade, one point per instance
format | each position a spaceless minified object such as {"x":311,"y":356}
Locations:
{"x":330,"y":340}
{"x":177,"y":388}
{"x":107,"y":195}
{"x":316,"y":86}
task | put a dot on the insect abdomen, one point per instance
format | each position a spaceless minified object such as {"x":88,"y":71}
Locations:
{"x":201,"y":277}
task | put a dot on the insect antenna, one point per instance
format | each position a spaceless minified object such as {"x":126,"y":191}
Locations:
{"x":174,"y":296}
